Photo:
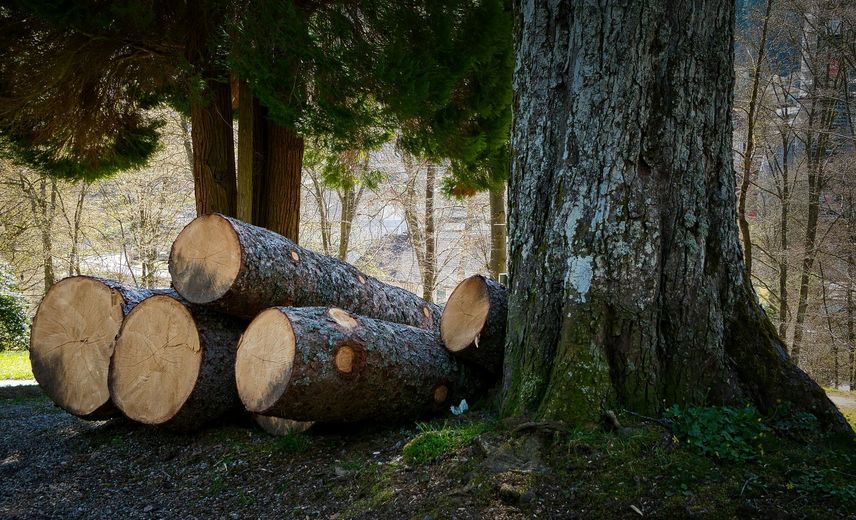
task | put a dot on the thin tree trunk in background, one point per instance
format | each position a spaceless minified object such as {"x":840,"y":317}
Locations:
{"x":498,"y":236}
{"x":628,"y":287}
{"x":409,"y":204}
{"x":186,"y":139}
{"x":816,"y":152}
{"x":749,"y":149}
{"x":429,"y":274}
{"x":47,"y":217}
{"x":851,"y":322}
{"x":784,"y":216}
{"x":324,"y":219}
{"x":825,"y":299}
{"x":347,"y":198}
{"x":74,"y":252}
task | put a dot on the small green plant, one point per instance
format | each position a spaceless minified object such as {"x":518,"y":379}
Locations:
{"x":786,"y":421}
{"x":723,"y":432}
{"x":827,"y":483}
{"x":292,"y":442}
{"x":434,"y":442}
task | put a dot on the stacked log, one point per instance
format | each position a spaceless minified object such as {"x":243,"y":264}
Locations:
{"x":327,"y":343}
{"x":473,"y":322}
{"x":72,"y":339}
{"x":325,"y":364}
{"x":241,"y":269}
{"x":173,"y":364}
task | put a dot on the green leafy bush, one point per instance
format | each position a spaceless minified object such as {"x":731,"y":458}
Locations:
{"x":14,"y":323}
{"x":723,"y":432}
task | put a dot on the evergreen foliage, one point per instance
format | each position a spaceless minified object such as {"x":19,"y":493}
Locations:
{"x":80,"y":77}
{"x":77,"y":80}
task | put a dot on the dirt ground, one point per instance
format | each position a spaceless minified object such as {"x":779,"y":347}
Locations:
{"x":55,"y":466}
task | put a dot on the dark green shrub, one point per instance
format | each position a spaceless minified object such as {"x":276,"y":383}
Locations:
{"x":723,"y":432}
{"x":14,"y":323}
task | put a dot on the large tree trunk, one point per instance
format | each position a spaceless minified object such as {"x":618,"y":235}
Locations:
{"x":174,"y":364}
{"x":213,"y":151}
{"x":279,"y":200}
{"x":628,"y":286}
{"x":72,"y":339}
{"x":214,"y":176}
{"x":270,"y":160}
{"x":251,"y":144}
{"x":498,"y":235}
{"x":242,"y":269}
{"x":320,"y":364}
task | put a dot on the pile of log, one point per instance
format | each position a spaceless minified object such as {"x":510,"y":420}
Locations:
{"x":257,"y":323}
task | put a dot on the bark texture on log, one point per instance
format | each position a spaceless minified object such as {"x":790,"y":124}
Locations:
{"x":326,"y":365}
{"x":242,"y":269}
{"x":474,"y":321}
{"x":72,"y":338}
{"x":627,"y":280}
{"x":173,"y":364}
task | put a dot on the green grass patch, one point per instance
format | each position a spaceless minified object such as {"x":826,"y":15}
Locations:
{"x":15,"y":364}
{"x":433,"y":442}
{"x":292,"y":442}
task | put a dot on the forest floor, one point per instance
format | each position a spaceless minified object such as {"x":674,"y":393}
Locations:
{"x":53,"y":465}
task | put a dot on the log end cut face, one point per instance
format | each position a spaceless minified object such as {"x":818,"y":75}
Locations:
{"x":265,"y":360}
{"x":465,"y":314}
{"x":72,"y":340}
{"x":157,"y":361}
{"x":205,"y":259}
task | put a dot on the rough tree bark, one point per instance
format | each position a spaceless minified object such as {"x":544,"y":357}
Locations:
{"x":498,"y":235}
{"x":628,"y":286}
{"x":214,"y":175}
{"x":270,"y":159}
{"x":429,"y":271}
{"x":320,"y":364}
{"x":242,"y":269}
{"x":279,"y":200}
{"x":174,"y":364}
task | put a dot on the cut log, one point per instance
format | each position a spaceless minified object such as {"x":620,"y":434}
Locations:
{"x":72,"y":339}
{"x":277,"y":426}
{"x":173,"y":364}
{"x":326,"y":365}
{"x":241,"y":269}
{"x":473,"y":323}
